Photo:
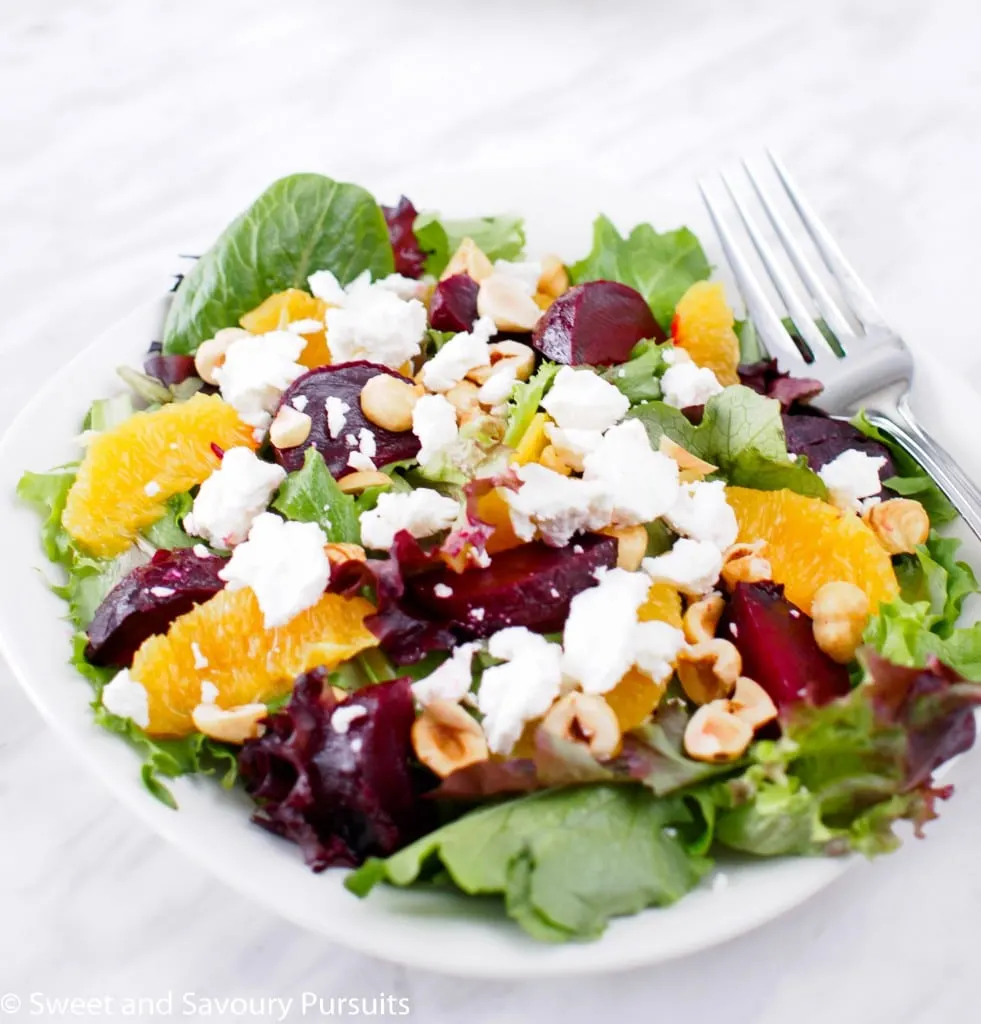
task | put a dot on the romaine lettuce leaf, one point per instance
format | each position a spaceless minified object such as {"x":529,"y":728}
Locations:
{"x":500,"y":238}
{"x":662,"y":267}
{"x":311,"y":495}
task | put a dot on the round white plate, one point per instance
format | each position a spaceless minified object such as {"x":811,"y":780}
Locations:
{"x":439,"y":932}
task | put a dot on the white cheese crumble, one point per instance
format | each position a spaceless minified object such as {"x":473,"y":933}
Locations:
{"x":582,"y":400}
{"x":701,"y":512}
{"x":557,"y":506}
{"x":404,"y":287}
{"x":162,"y":591}
{"x":307,"y":326}
{"x":434,"y":423}
{"x":337,"y":410}
{"x":209,"y":692}
{"x":284,"y":564}
{"x":230,"y":499}
{"x":127,"y":698}
{"x":852,"y":476}
{"x":573,"y":444}
{"x":498,"y":386}
{"x":200,"y":661}
{"x":256,"y":371}
{"x":521,"y":689}
{"x":461,"y":354}
{"x":526,"y":272}
{"x":361,"y":462}
{"x":656,"y":646}
{"x":344,"y":714}
{"x":422,"y":512}
{"x":450,"y":681}
{"x":326,"y":287}
{"x":367,"y":444}
{"x":152,"y":489}
{"x":199,"y":549}
{"x":686,"y":384}
{"x":693,"y":566}
{"x":300,"y":402}
{"x":443,"y":590}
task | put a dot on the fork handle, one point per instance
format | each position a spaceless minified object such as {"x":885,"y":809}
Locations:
{"x":900,"y":423}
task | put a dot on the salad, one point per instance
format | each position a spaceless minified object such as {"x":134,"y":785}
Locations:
{"x":497,"y":573}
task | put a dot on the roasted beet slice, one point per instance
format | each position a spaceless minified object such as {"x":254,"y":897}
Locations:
{"x":453,"y":306}
{"x":148,"y":600}
{"x":345,"y":382}
{"x":409,"y":257}
{"x":597,"y":323}
{"x":531,"y":585}
{"x":777,"y":645}
{"x":823,"y":439}
{"x":169,"y":370}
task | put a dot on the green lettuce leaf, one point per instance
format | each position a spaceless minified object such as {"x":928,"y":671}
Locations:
{"x":500,"y":238}
{"x":639,"y":378}
{"x":168,"y":531}
{"x":662,"y":267}
{"x":549,"y":856}
{"x":47,"y":493}
{"x":300,"y":224}
{"x":311,"y":495}
{"x":524,"y":401}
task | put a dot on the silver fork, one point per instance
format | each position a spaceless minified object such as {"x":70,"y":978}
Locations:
{"x":872,"y":368}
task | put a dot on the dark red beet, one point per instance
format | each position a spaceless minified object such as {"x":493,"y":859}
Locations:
{"x":169,"y":369}
{"x":776,"y":641}
{"x":132,"y":611}
{"x":345,"y":381}
{"x":597,"y":323}
{"x":823,"y":439}
{"x":342,"y":792}
{"x":409,"y":257}
{"x":531,"y":585}
{"x":453,"y":306}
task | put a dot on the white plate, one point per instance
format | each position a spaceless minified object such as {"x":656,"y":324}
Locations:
{"x":439,"y":932}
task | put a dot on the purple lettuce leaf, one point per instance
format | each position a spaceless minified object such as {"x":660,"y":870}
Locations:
{"x":409,"y":257}
{"x":767,"y":379}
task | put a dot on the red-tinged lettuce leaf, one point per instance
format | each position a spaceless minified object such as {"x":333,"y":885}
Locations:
{"x":341,"y":794}
{"x":766,"y":378}
{"x":409,"y":257}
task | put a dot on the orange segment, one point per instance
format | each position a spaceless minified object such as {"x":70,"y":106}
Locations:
{"x":663,"y":603}
{"x":634,"y":699}
{"x":129,"y":472}
{"x":284,"y":308}
{"x":702,"y":326}
{"x":245,"y":661}
{"x":534,"y":441}
{"x":810,"y":543}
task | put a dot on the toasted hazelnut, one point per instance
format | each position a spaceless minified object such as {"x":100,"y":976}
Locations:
{"x":702,"y":618}
{"x":505,"y":353}
{"x":338,"y":554}
{"x":744,"y":563}
{"x":468,"y":259}
{"x":586,"y":719}
{"x":387,"y":402}
{"x":716,"y":735}
{"x":505,"y":301}
{"x":235,"y":725}
{"x":446,"y":738}
{"x":708,"y":670}
{"x":751,"y":703}
{"x":362,"y":480}
{"x":899,"y":523}
{"x":211,"y":354}
{"x":631,"y":545}
{"x":840,"y":612}
{"x":551,"y":459}
{"x":290,"y":427}
{"x":554,"y":279}
{"x":463,"y":397}
{"x":692,"y":465}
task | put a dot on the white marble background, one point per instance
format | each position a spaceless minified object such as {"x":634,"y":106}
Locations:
{"x":130,"y":131}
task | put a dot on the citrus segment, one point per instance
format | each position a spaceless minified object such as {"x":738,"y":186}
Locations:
{"x":810,"y":543}
{"x":663,"y":603}
{"x":224,"y":642}
{"x":533,"y":443}
{"x":284,"y":308}
{"x":702,"y":326}
{"x":129,"y":472}
{"x":634,"y":699}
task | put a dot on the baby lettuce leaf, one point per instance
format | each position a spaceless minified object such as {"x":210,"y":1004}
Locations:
{"x":742,"y":433}
{"x":524,"y":401}
{"x":549,"y":855}
{"x":168,"y":532}
{"x":500,"y":238}
{"x":47,"y":494}
{"x":662,"y":267}
{"x":300,"y":224}
{"x":639,"y":378}
{"x":311,"y":495}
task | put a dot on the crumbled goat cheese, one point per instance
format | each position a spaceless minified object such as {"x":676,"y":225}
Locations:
{"x":851,"y":476}
{"x":361,"y":462}
{"x":673,"y":356}
{"x":127,"y":698}
{"x":162,"y":591}
{"x":200,"y":661}
{"x":209,"y":692}
{"x":639,"y":484}
{"x":598,"y":634}
{"x":308,"y":326}
{"x":527,"y":272}
{"x":366,"y":443}
{"x":344,"y":714}
{"x":521,"y":689}
{"x":461,"y":354}
{"x":230,"y":499}
{"x":404,"y":287}
{"x":573,"y":444}
{"x":498,"y":386}
{"x":199,"y":549}
{"x":326,"y":287}
{"x":656,"y":646}
{"x":434,"y":423}
{"x":351,"y":440}
{"x":582,"y":400}
{"x":477,"y":614}
{"x":557,"y":506}
{"x":152,"y":489}
{"x":692,"y":566}
{"x":450,"y":681}
{"x":337,"y":410}
{"x":686,"y":384}
{"x":300,"y":402}
{"x":701,"y":512}
{"x":256,"y":371}
{"x":422,"y":512}
{"x":442,"y":590}
{"x":284,"y":564}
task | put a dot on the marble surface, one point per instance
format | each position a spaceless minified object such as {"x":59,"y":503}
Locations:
{"x":130,"y":131}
